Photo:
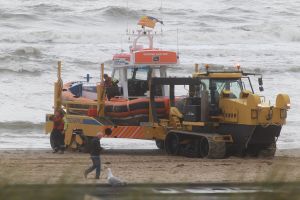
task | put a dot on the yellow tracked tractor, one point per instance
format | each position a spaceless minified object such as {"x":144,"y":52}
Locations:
{"x":220,"y":116}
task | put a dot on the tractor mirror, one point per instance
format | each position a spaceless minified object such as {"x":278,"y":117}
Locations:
{"x":260,"y":81}
{"x":261,"y":88}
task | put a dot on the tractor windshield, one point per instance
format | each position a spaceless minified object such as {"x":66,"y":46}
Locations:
{"x":233,"y":85}
{"x":216,"y":86}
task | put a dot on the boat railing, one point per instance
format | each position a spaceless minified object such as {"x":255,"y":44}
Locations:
{"x":73,"y":107}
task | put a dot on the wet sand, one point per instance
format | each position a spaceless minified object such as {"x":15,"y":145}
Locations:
{"x":144,"y":166}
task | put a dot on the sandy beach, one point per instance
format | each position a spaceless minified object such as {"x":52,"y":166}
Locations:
{"x":144,"y":166}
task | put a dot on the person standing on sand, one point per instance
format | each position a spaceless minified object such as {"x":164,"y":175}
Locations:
{"x":57,"y":134}
{"x":95,"y":156}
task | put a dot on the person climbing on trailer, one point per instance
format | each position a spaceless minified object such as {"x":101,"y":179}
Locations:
{"x":57,"y":134}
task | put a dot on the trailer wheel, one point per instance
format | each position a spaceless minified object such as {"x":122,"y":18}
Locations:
{"x":172,"y":144}
{"x":160,"y":144}
{"x":203,"y":147}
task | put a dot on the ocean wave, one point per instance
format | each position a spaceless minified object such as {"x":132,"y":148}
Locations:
{"x":18,"y":16}
{"x":45,"y":7}
{"x":290,"y":14}
{"x":294,"y":69}
{"x":295,"y":37}
{"x":211,"y":17}
{"x":33,"y":72}
{"x":176,"y":12}
{"x":22,"y":61}
{"x":243,"y":28}
{"x":219,"y":67}
{"x":116,"y":12}
{"x":27,"y":52}
{"x":236,"y":10}
{"x":20,"y":125}
{"x":22,"y":53}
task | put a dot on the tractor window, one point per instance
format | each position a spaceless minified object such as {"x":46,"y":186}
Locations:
{"x":235,"y":88}
{"x":204,"y":86}
{"x":247,"y":84}
{"x":233,"y":85}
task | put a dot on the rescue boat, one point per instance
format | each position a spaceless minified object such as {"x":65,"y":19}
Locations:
{"x":129,"y":97}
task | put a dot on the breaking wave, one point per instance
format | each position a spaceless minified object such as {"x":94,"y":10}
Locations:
{"x":117,"y":12}
{"x":28,"y":52}
{"x":43,"y":7}
{"x":211,"y":17}
{"x":236,"y":10}
{"x":18,"y":16}
{"x":20,"y":125}
{"x":21,"y":71}
{"x":219,"y":67}
{"x":294,"y":69}
{"x":176,"y":12}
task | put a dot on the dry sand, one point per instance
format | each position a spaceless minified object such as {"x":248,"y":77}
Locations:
{"x":144,"y":166}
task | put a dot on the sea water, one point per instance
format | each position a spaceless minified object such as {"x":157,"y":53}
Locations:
{"x":261,"y":36}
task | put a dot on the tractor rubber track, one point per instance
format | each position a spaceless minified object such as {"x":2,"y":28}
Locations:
{"x":217,"y":150}
{"x":208,"y":148}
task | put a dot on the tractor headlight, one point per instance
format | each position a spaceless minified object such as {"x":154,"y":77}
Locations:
{"x":283,"y":113}
{"x":254,"y":114}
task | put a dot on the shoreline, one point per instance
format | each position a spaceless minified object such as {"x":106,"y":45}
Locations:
{"x":41,"y":166}
{"x":292,"y":152}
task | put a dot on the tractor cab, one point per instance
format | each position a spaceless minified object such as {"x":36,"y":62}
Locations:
{"x":207,"y":92}
{"x":232,"y":84}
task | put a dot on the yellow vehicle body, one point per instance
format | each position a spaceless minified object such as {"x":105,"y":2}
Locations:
{"x":239,"y":123}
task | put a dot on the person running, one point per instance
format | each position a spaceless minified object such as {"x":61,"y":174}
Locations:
{"x":95,"y":153}
{"x":57,"y":134}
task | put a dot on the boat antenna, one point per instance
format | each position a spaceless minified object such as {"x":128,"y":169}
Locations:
{"x":177,"y":41}
{"x":161,"y":18}
{"x":127,"y":17}
{"x":161,"y":15}
{"x":122,"y":43}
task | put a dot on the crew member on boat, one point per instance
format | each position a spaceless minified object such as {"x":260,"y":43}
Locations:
{"x":107,"y":81}
{"x":111,"y":86}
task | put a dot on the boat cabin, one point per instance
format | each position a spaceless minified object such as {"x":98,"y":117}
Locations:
{"x":133,"y":70}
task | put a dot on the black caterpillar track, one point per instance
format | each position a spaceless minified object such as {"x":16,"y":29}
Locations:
{"x":191,"y":144}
